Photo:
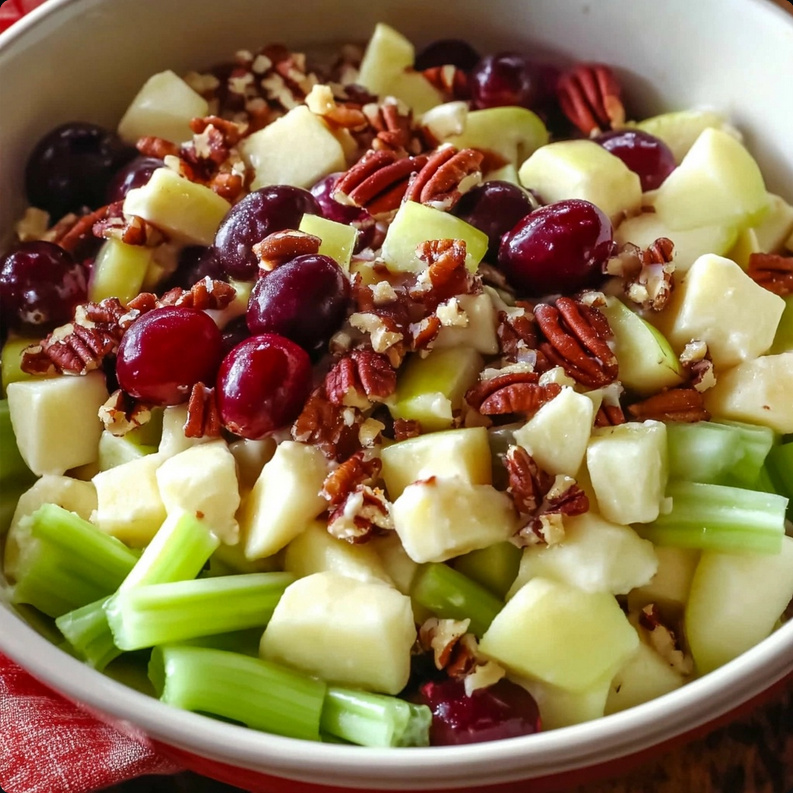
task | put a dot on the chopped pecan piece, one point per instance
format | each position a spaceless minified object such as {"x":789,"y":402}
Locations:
{"x":449,"y":80}
{"x":609,"y":416}
{"x":652,"y":286}
{"x":81,"y":231}
{"x":698,"y":364}
{"x":591,"y":98}
{"x":446,"y":275}
{"x":121,"y":413}
{"x":322,"y":103}
{"x":204,"y":295}
{"x":203,"y":416}
{"x":676,"y":404}
{"x":158,"y":148}
{"x":392,"y":124}
{"x":131,"y":230}
{"x":446,"y":177}
{"x":528,"y":483}
{"x":663,"y":640}
{"x":517,"y":334}
{"x":359,"y":378}
{"x":364,"y":513}
{"x":281,"y":247}
{"x":360,"y":469}
{"x":332,"y":428}
{"x":443,"y":638}
{"x":772,"y":271}
{"x":406,"y":428}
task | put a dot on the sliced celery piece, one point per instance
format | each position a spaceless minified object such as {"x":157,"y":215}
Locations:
{"x":779,"y":466}
{"x":260,"y":694}
{"x":88,"y":633}
{"x":374,"y":719}
{"x":714,"y":517}
{"x":145,"y":616}
{"x":495,"y":567}
{"x":451,"y":595}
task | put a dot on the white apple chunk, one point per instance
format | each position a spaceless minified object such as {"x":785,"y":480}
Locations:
{"x":251,"y":457}
{"x":173,"y":440}
{"x":163,"y":108}
{"x":595,"y":556}
{"x":284,"y":500}
{"x":119,"y":271}
{"x":757,"y":392}
{"x":561,"y":708}
{"x":628,"y":468}
{"x":671,"y":584}
{"x":680,"y":129}
{"x":561,"y":635}
{"x":776,"y":226}
{"x":444,"y":517}
{"x":56,"y":421}
{"x":203,"y":480}
{"x":746,"y":244}
{"x":479,"y":332}
{"x":556,"y":436}
{"x":297,"y":149}
{"x":585,"y":170}
{"x":187,"y":212}
{"x":718,"y":182}
{"x":343,"y":630}
{"x":338,"y":239}
{"x":735,"y":601}
{"x":720,"y":304}
{"x":119,"y":449}
{"x":464,"y":453}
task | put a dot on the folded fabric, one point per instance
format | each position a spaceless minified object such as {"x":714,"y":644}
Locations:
{"x":13,"y":10}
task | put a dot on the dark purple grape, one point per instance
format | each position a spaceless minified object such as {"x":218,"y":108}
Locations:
{"x":234,"y":333}
{"x":72,"y":167}
{"x":332,"y":209}
{"x":503,"y":710}
{"x":557,"y":248}
{"x":455,"y":52}
{"x":495,"y":208}
{"x":506,"y":79}
{"x":40,"y":285}
{"x":195,"y":262}
{"x":166,"y":352}
{"x":304,"y":300}
{"x":643,"y":153}
{"x":260,"y":213}
{"x":262,"y":385}
{"x":134,"y":174}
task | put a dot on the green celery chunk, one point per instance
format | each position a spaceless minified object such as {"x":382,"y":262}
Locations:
{"x":89,"y":635}
{"x":779,"y":467}
{"x":257,"y":693}
{"x":719,"y":518}
{"x":495,"y":567}
{"x":374,"y":719}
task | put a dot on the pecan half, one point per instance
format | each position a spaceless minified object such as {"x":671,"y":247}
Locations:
{"x":528,"y":483}
{"x":676,"y":404}
{"x":772,"y":271}
{"x":446,"y":275}
{"x":591,"y":98}
{"x":609,"y":416}
{"x":121,"y":413}
{"x":484,"y":389}
{"x":447,"y":175}
{"x":524,"y":398}
{"x":205,"y":295}
{"x":281,"y":247}
{"x":392,"y":124}
{"x":332,"y":428}
{"x":359,"y":378}
{"x":360,"y":469}
{"x":203,"y":416}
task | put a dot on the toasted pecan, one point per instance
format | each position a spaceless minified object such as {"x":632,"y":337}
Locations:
{"x":360,"y":375}
{"x":477,"y":395}
{"x":121,"y":413}
{"x":357,"y":470}
{"x":283,"y":246}
{"x":676,"y":404}
{"x":203,"y":415}
{"x":772,"y":271}
{"x":331,"y":428}
{"x":446,"y":176}
{"x":591,"y":98}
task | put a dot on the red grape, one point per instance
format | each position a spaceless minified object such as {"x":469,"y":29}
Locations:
{"x":195,"y":262}
{"x":262,"y":385}
{"x":454,"y":52}
{"x":166,"y":352}
{"x":506,"y":79}
{"x":304,"y":300}
{"x":643,"y":153}
{"x":40,"y":285}
{"x":557,"y":248}
{"x":134,"y":174}
{"x":234,"y":333}
{"x":260,"y":213}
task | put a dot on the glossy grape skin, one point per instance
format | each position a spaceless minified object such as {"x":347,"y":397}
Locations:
{"x":134,"y":174}
{"x":494,"y":208}
{"x":644,"y":154}
{"x":505,"y":79}
{"x":166,"y":352}
{"x":260,"y":213}
{"x":503,"y":710}
{"x":557,"y":248}
{"x":40,"y":285}
{"x":305,"y":300}
{"x":454,"y":52}
{"x":195,"y":262}
{"x":332,"y":209}
{"x":234,"y":333}
{"x":262,"y":385}
{"x":72,"y":167}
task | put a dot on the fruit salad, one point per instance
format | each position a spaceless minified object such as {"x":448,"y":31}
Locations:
{"x":398,"y":400}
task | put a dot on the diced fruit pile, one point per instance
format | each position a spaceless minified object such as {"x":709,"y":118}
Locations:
{"x":410,"y":399}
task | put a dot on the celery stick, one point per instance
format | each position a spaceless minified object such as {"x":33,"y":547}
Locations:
{"x":714,"y":517}
{"x":145,"y":616}
{"x":756,"y":443}
{"x":780,"y":468}
{"x":495,"y":567}
{"x":451,"y":595}
{"x":260,"y":694}
{"x":374,"y":719}
{"x":88,"y":633}
{"x":244,"y":642}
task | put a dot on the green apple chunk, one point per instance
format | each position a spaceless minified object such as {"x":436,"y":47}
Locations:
{"x":163,"y":108}
{"x":679,"y":130}
{"x":187,"y":212}
{"x":11,"y":362}
{"x":594,"y":555}
{"x":720,"y":304}
{"x":557,"y":435}
{"x":647,"y":362}
{"x":119,"y":271}
{"x":745,"y":245}
{"x":340,"y":629}
{"x":561,"y":635}
{"x":628,"y":468}
{"x":776,"y":226}
{"x":582,"y":169}
{"x":718,"y":182}
{"x":783,"y":340}
{"x":116,"y":450}
{"x":173,"y":440}
{"x":478,"y":331}
{"x":671,"y":584}
{"x":735,"y":601}
{"x":56,"y":421}
{"x":430,"y":389}
{"x":444,"y":517}
{"x":561,"y":708}
{"x":284,"y":500}
{"x":338,"y":240}
{"x":415,"y":223}
{"x":464,"y":453}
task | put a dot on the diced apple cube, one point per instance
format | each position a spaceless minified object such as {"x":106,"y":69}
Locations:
{"x":561,"y":635}
{"x":119,"y":449}
{"x":464,"y":453}
{"x":173,"y":440}
{"x":628,"y":468}
{"x":595,"y":556}
{"x":297,"y":149}
{"x":776,"y":226}
{"x":582,"y":169}
{"x":479,"y":332}
{"x":783,"y":340}
{"x":284,"y":500}
{"x":251,"y":457}
{"x":163,"y":108}
{"x":556,"y":436}
{"x":680,"y":129}
{"x":561,"y":708}
{"x":670,"y":586}
{"x":119,"y":271}
{"x":203,"y":480}
{"x":399,"y":567}
{"x":414,"y":90}
{"x":56,"y":421}
{"x":745,"y":245}
{"x":345,"y":631}
{"x":441,"y":518}
{"x":720,"y":304}
{"x":188,"y":212}
{"x":757,"y":392}
{"x":338,"y":239}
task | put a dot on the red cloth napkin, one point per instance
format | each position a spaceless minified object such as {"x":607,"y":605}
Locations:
{"x":13,"y":10}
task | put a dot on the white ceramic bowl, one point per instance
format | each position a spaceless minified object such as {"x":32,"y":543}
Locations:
{"x":85,"y":59}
